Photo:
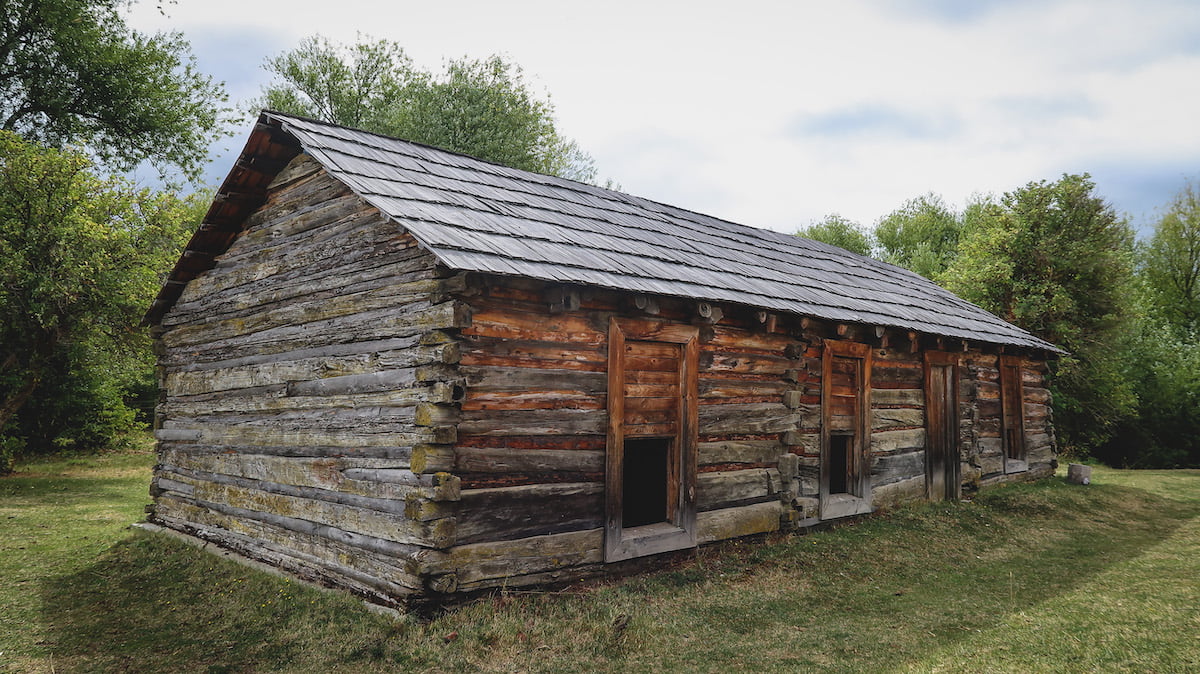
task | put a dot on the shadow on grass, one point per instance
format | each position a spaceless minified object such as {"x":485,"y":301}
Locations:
{"x":867,"y":597}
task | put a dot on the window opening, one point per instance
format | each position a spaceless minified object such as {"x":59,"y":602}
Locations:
{"x":646,"y":477}
{"x":840,"y":461}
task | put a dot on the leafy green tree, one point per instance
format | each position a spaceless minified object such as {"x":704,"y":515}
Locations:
{"x":838,"y":231}
{"x":358,"y":85}
{"x":922,"y":235}
{"x":1170,"y":261}
{"x":80,"y":259}
{"x":72,"y":72}
{"x":484,"y":108}
{"x":1055,"y":259}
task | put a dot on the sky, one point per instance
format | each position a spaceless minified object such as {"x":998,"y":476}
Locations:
{"x":776,"y":114}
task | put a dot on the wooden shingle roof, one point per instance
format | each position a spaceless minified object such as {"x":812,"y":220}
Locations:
{"x":482,"y":217}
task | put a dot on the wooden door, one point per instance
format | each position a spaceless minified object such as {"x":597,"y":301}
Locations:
{"x":941,"y":426}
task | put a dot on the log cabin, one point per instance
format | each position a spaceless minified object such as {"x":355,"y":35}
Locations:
{"x":413,"y":374}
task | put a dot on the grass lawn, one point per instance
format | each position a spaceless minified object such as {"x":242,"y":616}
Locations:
{"x":1039,"y":577}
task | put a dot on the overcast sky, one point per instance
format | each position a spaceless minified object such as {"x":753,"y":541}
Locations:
{"x":774,"y":114}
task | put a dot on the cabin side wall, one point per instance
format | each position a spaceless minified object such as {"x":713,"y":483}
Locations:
{"x":532,"y":437}
{"x":302,"y":378}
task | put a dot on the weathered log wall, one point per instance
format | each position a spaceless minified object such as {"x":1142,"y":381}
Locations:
{"x":531,"y":439}
{"x":301,"y":378}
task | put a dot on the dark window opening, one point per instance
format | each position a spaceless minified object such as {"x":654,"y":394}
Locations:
{"x":840,"y":462}
{"x":644,"y":500}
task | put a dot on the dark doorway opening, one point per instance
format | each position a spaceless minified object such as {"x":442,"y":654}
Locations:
{"x":840,"y":446}
{"x":646,"y":466}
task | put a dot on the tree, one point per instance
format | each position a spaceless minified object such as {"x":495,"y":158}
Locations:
{"x":1170,"y":261}
{"x":72,"y":72}
{"x":1055,"y":259}
{"x":922,"y":235}
{"x":838,"y":231}
{"x":484,"y":108}
{"x":80,"y":259}
{"x":357,"y":85}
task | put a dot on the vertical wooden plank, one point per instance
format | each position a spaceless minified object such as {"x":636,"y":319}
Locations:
{"x":826,"y":415}
{"x":941,"y":426}
{"x":615,"y":447}
{"x":689,"y":432}
{"x":863,"y":432}
{"x":1012,"y":416}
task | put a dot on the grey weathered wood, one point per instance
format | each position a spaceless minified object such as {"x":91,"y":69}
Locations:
{"x":719,"y":489}
{"x":505,"y":460}
{"x":504,"y":513}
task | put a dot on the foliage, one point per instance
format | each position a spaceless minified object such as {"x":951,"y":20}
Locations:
{"x":1055,"y":259}
{"x":484,"y":108}
{"x":922,"y":235}
{"x":353,"y":85}
{"x":1170,"y":261}
{"x":1163,"y":360}
{"x":72,"y":72}
{"x":838,"y":231}
{"x":80,"y":259}
{"x":1164,"y":370}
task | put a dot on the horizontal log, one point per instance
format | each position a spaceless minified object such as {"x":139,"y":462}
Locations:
{"x":184,"y":508}
{"x":718,"y":489}
{"x":298,"y":373}
{"x":754,"y":418}
{"x":898,"y":396}
{"x":893,"y":375}
{"x":509,"y":322}
{"x":360,"y":420}
{"x":739,"y":451}
{"x":414,"y":318}
{"x":897,"y":492}
{"x":889,"y":468}
{"x":368,"y":522}
{"x":240,"y":435}
{"x":306,"y":567}
{"x":538,"y":399}
{"x":726,"y":523}
{"x":506,"y":559}
{"x":745,"y":363}
{"x":887,"y":442}
{"x":520,"y":379}
{"x":533,"y":422}
{"x":184,"y":361}
{"x":371,"y":477}
{"x":714,"y":389}
{"x":361,"y":270}
{"x":891,"y":418}
{"x":529,"y":510}
{"x":414,"y":296}
{"x":276,"y":400}
{"x":504,"y":460}
{"x":487,"y":351}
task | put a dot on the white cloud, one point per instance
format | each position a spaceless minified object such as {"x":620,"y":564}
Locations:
{"x":775,"y":113}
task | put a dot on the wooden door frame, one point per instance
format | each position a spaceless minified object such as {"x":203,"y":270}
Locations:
{"x":954,"y":467}
{"x":680,"y":531}
{"x":1015,"y":460}
{"x":858,"y":501}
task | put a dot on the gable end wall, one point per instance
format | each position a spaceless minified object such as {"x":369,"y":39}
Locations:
{"x":299,"y":377}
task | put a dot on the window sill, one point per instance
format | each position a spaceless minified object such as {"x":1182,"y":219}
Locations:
{"x":649,"y":539}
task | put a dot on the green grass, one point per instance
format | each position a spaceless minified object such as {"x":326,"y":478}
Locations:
{"x":1038,"y":577}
